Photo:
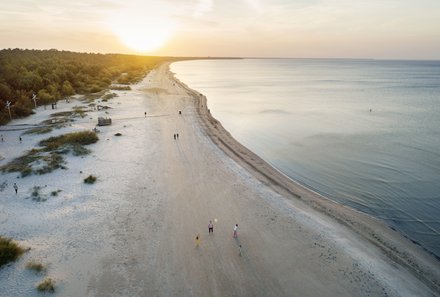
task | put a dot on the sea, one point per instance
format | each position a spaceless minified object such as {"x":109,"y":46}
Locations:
{"x":364,"y":133}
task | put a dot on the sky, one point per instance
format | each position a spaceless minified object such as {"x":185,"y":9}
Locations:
{"x":380,"y":29}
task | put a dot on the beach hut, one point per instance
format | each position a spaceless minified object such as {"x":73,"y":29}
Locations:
{"x":104,"y":121}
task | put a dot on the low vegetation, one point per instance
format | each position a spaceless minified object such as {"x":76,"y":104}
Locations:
{"x":35,"y":266}
{"x":109,"y":96}
{"x":90,"y":179}
{"x":120,"y":88}
{"x":55,"y":193}
{"x":49,"y":157}
{"x":39,"y":130}
{"x":47,"y":285}
{"x":9,"y":250}
{"x":74,"y":138}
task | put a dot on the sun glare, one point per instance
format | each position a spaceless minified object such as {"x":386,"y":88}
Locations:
{"x":143,"y":35}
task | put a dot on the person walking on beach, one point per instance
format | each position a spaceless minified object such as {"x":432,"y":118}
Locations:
{"x":235,"y":231}
{"x":210,"y":228}
{"x":15,"y":188}
{"x":177,"y":135}
{"x":174,"y":136}
{"x":145,"y":113}
{"x":197,"y":240}
{"x":239,"y":250}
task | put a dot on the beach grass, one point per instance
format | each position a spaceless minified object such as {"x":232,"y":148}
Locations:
{"x":91,"y":179}
{"x":39,"y":130}
{"x":55,"y":193}
{"x":109,"y":96}
{"x":47,"y":285}
{"x":120,"y":88}
{"x":35,"y":266}
{"x":74,"y":138}
{"x":22,"y":163}
{"x":51,"y":153}
{"x":9,"y":250}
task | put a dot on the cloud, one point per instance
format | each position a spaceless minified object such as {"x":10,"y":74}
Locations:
{"x":256,"y":5}
{"x":203,"y":7}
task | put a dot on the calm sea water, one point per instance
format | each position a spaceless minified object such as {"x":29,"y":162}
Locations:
{"x":365,"y":133}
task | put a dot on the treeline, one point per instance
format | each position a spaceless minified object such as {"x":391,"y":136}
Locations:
{"x":53,"y":75}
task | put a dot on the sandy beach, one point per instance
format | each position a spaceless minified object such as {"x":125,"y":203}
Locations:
{"x":133,"y":233}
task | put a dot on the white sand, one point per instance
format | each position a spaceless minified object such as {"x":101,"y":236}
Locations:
{"x":133,"y":232}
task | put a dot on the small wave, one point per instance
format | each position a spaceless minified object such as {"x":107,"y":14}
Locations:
{"x":276,"y":111}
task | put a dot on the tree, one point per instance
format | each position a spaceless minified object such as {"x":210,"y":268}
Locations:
{"x":44,"y":96}
{"x":5,"y":92}
{"x":67,"y":89}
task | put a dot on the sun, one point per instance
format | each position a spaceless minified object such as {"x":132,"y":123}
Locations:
{"x":142,"y":35}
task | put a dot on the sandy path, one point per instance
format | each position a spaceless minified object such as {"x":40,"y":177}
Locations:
{"x":289,"y":248}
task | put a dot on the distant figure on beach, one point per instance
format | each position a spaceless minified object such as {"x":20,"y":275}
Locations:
{"x":174,"y":136}
{"x":15,"y":188}
{"x":177,"y":135}
{"x":239,"y":250}
{"x":235,"y":231}
{"x":210,"y":227}
{"x":145,"y":113}
{"x":2,"y":138}
{"x":197,"y":240}
{"x":180,"y":112}
{"x":371,"y":110}
{"x":20,"y":138}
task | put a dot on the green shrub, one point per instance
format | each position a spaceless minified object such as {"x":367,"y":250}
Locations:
{"x":47,"y":285}
{"x":90,"y":179}
{"x":9,"y":250}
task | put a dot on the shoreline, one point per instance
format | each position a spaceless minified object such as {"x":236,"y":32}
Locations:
{"x":133,"y":231}
{"x":399,"y":248}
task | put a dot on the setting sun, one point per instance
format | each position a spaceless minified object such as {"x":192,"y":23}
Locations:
{"x":142,"y":35}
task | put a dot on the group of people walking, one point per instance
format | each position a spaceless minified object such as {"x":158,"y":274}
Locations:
{"x":211,"y":231}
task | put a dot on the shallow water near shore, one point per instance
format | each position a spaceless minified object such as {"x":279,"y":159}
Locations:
{"x":365,"y":133}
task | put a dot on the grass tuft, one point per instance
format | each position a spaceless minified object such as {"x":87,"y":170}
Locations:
{"x":90,"y":179}
{"x":47,"y":285}
{"x":35,"y":266}
{"x":9,"y":251}
{"x":55,"y":193}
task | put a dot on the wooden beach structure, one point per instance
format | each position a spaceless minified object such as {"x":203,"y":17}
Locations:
{"x":104,"y":121}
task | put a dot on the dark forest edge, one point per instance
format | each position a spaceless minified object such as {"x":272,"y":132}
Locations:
{"x":53,"y":75}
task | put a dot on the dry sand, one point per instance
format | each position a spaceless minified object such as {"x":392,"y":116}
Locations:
{"x":294,"y":242}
